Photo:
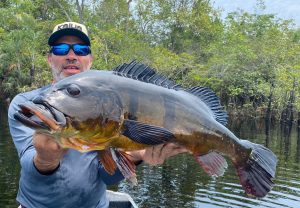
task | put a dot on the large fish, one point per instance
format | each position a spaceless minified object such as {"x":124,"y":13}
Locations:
{"x":133,"y":107}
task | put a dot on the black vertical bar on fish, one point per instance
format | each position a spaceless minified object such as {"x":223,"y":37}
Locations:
{"x":169,"y":116}
{"x":133,"y":106}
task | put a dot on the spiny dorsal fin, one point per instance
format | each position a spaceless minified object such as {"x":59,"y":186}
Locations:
{"x":213,"y":102}
{"x":146,"y":74}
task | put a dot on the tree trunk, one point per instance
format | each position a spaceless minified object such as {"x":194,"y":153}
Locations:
{"x":1,"y":88}
{"x":268,"y":112}
{"x":80,"y":8}
{"x":63,"y":9}
{"x":32,"y":69}
{"x":298,"y":122}
{"x":287,"y":115}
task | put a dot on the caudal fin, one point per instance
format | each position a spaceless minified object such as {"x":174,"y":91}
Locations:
{"x":257,"y":175}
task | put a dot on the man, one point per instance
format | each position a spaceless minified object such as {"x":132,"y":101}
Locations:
{"x":50,"y":175}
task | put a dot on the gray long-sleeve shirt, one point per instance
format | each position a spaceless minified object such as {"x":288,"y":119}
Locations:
{"x":80,"y":181}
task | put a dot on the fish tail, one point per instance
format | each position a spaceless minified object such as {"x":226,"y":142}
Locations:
{"x":257,"y":173}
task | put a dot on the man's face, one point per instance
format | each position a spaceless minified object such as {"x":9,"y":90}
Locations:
{"x":69,"y":64}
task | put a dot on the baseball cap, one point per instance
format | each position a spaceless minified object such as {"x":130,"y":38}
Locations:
{"x":69,"y":28}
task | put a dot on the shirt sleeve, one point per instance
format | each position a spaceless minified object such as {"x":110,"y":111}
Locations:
{"x":22,"y":135}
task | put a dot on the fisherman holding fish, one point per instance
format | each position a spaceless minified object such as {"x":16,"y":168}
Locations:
{"x":52,"y":176}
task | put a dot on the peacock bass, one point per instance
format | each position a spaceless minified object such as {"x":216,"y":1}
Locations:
{"x":133,"y":107}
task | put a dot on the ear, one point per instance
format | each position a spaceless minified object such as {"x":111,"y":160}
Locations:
{"x":49,"y":58}
{"x":91,"y":61}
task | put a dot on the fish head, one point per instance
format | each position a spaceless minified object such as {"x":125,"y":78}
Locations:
{"x":76,"y":108}
{"x":40,"y":117}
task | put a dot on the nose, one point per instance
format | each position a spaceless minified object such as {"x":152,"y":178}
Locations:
{"x":71,"y":56}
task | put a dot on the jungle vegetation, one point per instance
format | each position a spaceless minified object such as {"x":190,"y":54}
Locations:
{"x":250,"y":60}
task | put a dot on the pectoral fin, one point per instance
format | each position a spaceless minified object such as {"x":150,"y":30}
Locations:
{"x":145,"y":133}
{"x":212,"y":163}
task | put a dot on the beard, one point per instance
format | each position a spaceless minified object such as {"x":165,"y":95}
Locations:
{"x":62,"y":71}
{"x":58,"y":74}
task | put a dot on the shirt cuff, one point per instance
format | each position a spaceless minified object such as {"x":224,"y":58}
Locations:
{"x":46,"y":172}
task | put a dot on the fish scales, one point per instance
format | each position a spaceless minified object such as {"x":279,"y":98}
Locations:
{"x":183,"y":118}
{"x":151,"y":102}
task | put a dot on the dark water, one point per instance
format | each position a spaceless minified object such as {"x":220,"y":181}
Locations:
{"x":9,"y":164}
{"x":180,"y":182}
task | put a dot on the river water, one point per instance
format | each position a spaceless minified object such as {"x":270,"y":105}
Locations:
{"x":180,"y":182}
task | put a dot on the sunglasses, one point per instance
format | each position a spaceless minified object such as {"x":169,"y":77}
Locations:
{"x":63,"y":49}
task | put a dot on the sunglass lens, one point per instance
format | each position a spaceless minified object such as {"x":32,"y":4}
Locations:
{"x":81,"y":50}
{"x":63,"y":49}
{"x":60,"y":50}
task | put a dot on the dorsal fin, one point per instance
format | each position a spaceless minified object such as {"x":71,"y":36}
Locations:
{"x":141,"y":72}
{"x":213,"y":102}
{"x":146,"y":74}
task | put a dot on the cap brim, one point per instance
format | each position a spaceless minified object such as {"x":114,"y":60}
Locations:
{"x":68,"y":31}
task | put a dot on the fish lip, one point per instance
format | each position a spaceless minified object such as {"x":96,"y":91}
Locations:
{"x":52,"y":110}
{"x":24,"y":116}
{"x":46,"y":117}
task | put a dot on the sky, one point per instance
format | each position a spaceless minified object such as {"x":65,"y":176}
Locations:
{"x":285,"y":9}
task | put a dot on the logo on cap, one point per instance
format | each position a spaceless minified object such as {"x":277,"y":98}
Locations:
{"x":69,"y":25}
{"x":69,"y":28}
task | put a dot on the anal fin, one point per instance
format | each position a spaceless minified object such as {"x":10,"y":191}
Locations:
{"x":212,"y":163}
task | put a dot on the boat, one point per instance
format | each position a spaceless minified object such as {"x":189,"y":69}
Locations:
{"x":120,"y":200}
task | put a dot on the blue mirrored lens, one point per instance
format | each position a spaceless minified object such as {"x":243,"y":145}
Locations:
{"x":60,"y":50}
{"x":63,"y":49}
{"x":81,"y":50}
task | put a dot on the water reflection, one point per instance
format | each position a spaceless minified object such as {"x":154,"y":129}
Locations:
{"x":267,"y":130}
{"x":298,"y":146}
{"x":9,"y":165}
{"x":285,"y":137}
{"x":180,"y":182}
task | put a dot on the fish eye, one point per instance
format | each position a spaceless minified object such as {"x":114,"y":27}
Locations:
{"x":73,"y":90}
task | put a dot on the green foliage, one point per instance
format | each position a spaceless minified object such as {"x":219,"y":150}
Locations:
{"x":246,"y":59}
{"x":251,"y":55}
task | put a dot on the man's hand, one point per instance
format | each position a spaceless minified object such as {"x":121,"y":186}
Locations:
{"x":157,"y":154}
{"x":49,"y":153}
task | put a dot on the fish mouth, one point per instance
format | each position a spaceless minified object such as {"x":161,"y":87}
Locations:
{"x":40,"y":116}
